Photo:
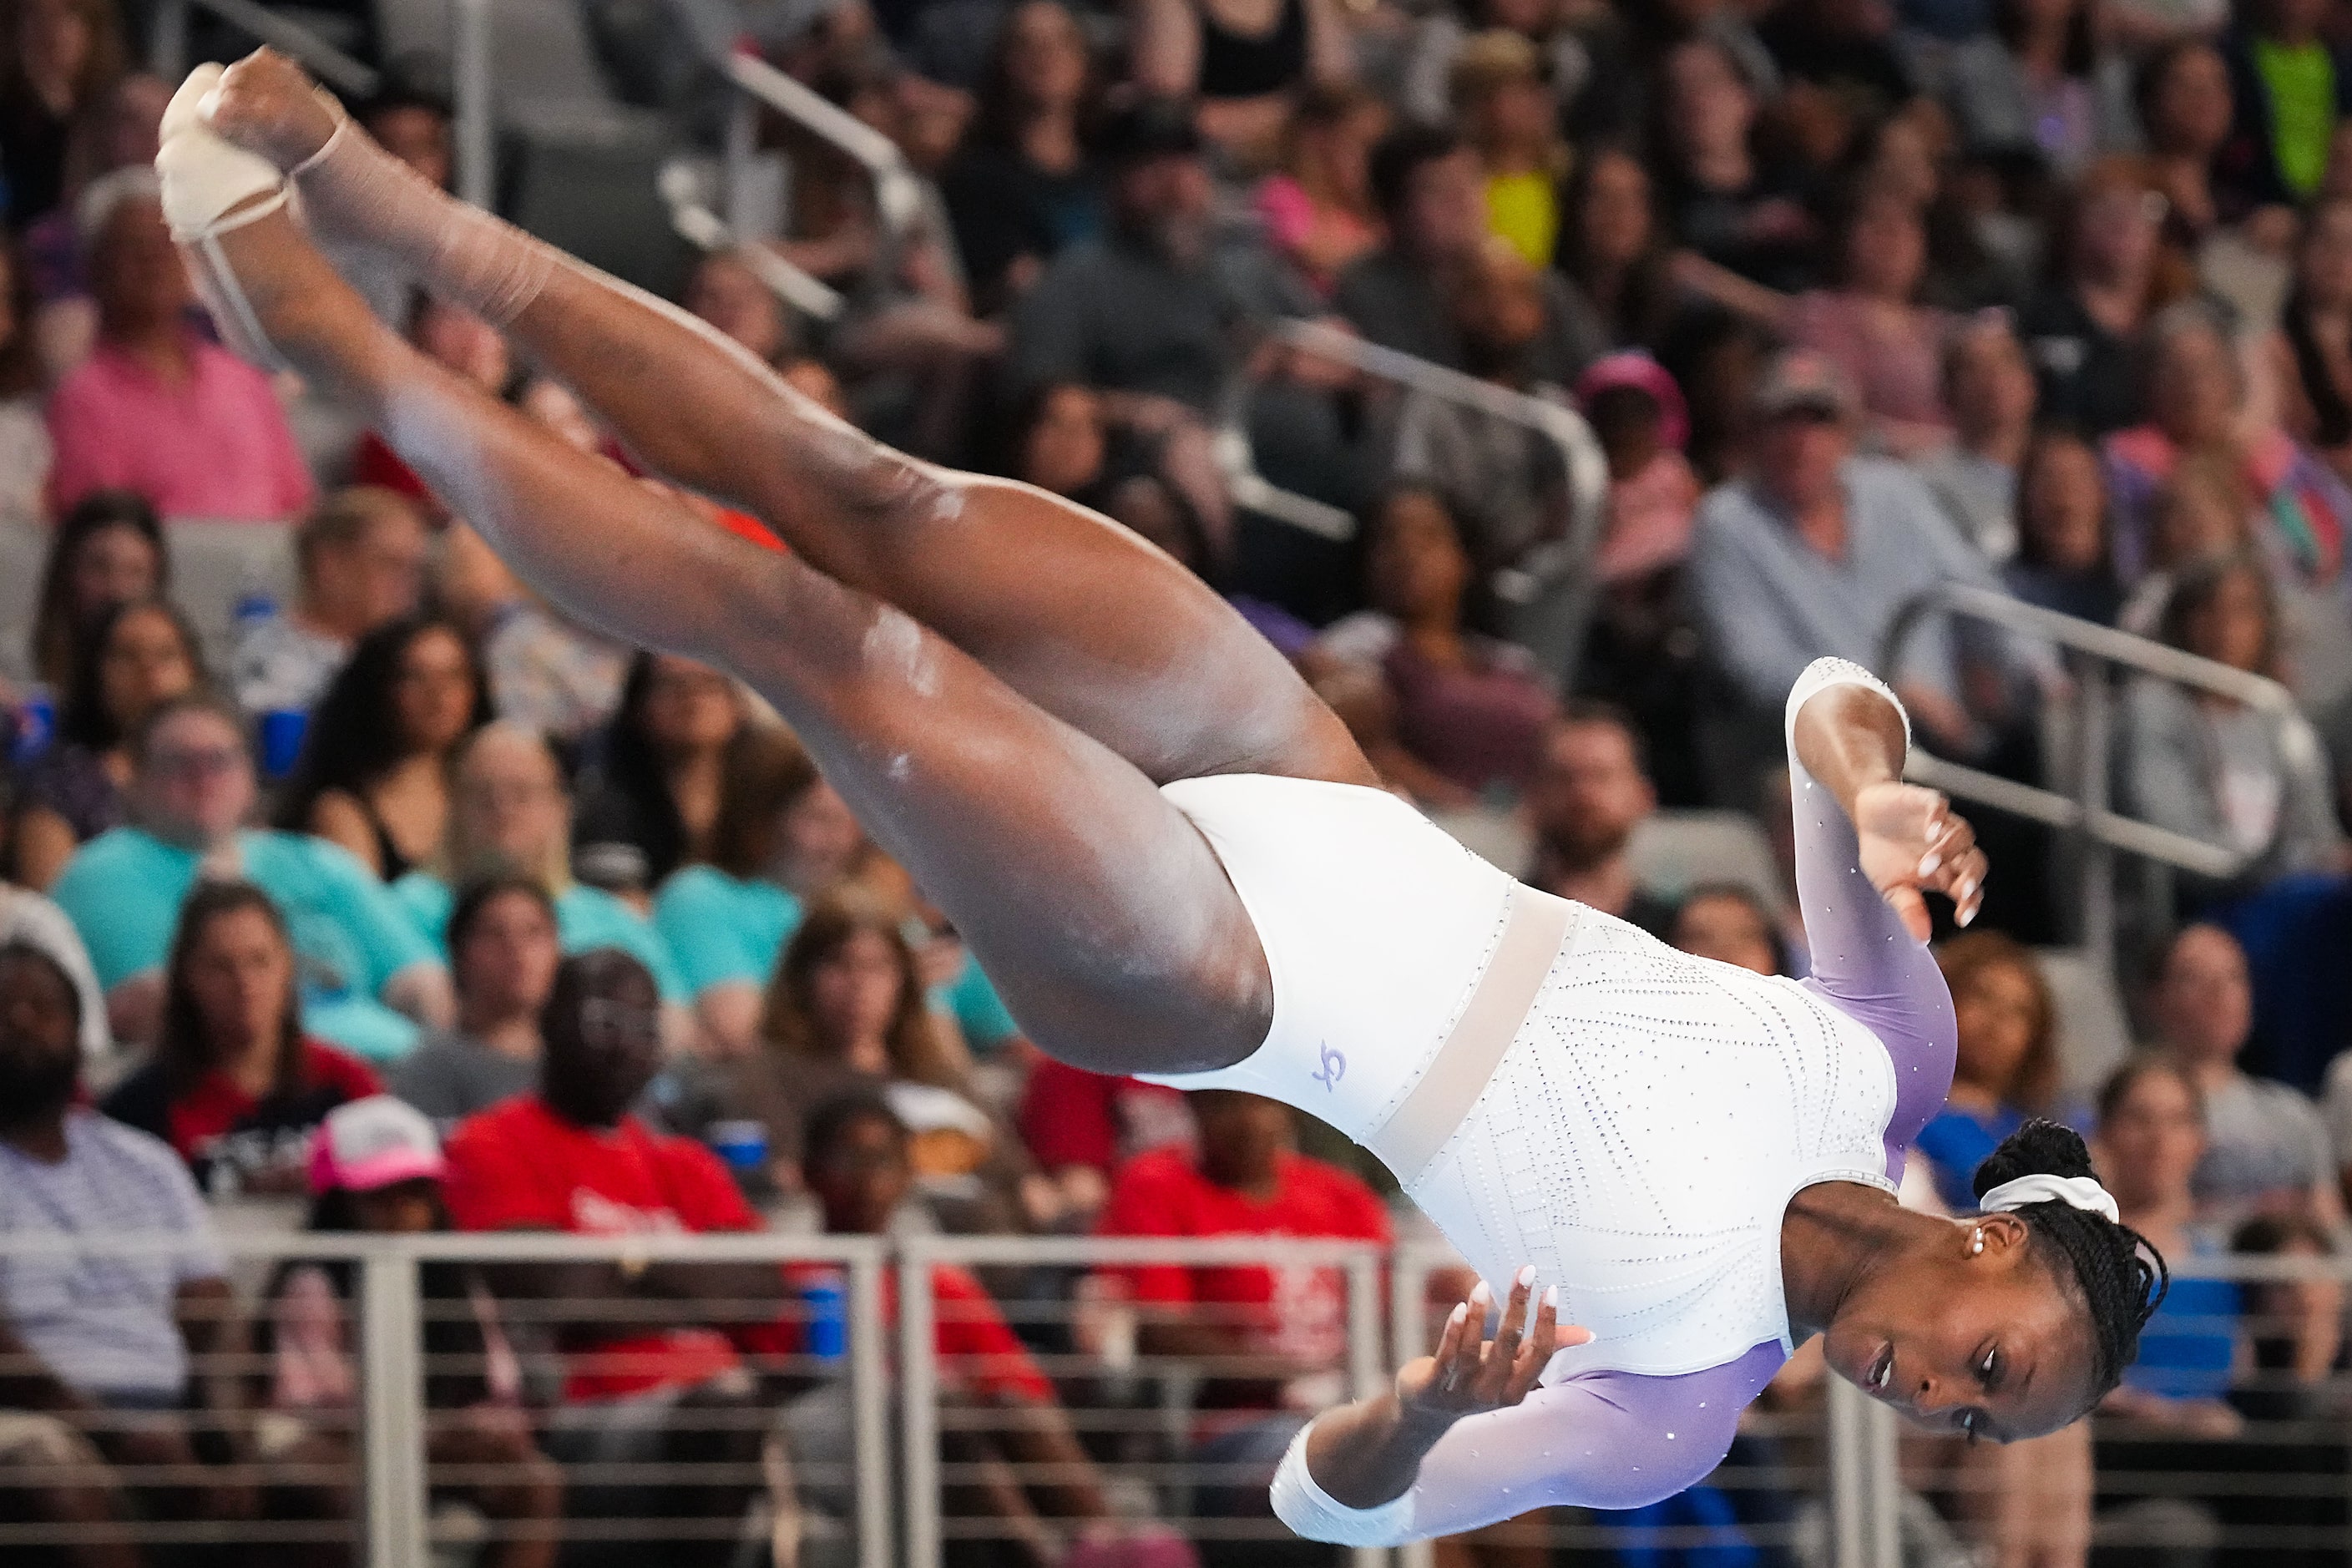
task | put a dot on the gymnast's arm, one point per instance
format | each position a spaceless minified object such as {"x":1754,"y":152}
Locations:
{"x":1868,"y":847}
{"x":1602,"y":1439}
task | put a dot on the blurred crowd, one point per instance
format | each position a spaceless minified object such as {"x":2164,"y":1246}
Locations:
{"x":409,"y":896}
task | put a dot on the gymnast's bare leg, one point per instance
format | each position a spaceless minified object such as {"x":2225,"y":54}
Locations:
{"x":1097,"y":906}
{"x":1070,"y":610}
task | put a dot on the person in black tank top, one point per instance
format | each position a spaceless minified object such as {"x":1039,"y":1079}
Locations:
{"x":1238,"y":64}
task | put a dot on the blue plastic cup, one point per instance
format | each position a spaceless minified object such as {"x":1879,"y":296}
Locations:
{"x":743,"y":1145}
{"x":828,"y":1302}
{"x":281,"y":741}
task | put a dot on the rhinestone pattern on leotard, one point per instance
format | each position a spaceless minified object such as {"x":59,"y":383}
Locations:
{"x":1641,"y":1140}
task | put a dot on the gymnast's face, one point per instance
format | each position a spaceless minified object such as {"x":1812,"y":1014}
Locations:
{"x":1963,"y":1340}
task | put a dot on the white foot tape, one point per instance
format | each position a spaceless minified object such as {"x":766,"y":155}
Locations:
{"x":210,"y":187}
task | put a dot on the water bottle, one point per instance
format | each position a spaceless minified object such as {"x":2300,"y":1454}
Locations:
{"x":257,"y":600}
{"x":827,"y":1300}
{"x":37,"y":725}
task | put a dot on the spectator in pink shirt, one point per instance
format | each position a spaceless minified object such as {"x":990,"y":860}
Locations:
{"x":156,"y":408}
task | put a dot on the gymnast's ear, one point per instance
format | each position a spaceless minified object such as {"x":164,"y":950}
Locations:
{"x":2003,"y":1234}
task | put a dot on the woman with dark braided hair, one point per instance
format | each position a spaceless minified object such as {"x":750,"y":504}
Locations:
{"x":1173,"y":861}
{"x":2042,"y":1174}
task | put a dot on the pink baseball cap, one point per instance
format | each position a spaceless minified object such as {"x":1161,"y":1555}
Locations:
{"x":1637,"y":370}
{"x":364,"y":1144}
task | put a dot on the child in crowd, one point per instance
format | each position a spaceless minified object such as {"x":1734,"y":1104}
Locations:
{"x":375,"y":1167}
{"x":858,"y":1161}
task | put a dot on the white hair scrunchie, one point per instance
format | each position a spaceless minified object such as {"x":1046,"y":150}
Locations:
{"x":2076,"y":1192}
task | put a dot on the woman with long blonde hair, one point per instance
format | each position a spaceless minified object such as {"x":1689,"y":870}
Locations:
{"x":509,"y":815}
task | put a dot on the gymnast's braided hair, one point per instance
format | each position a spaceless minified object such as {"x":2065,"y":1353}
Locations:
{"x":2122,"y":1277}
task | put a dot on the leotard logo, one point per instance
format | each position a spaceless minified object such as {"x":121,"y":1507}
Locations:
{"x":1335,"y":1068}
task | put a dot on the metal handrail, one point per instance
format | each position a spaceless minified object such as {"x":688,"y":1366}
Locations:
{"x":693,"y":220}
{"x":2095,"y":650}
{"x":1550,"y":588}
{"x":1865,"y":1482}
{"x":897,"y":190}
{"x":167,"y":45}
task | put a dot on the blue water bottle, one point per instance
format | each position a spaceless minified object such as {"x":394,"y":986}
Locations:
{"x":827,"y":1300}
{"x":37,"y":726}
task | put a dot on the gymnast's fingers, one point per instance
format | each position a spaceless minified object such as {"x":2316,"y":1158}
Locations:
{"x":1948,"y":840}
{"x":1537,"y":1353}
{"x":1449,"y":1343}
{"x":1503,"y":1357}
{"x":1967,"y":886}
{"x":1462,"y":1369}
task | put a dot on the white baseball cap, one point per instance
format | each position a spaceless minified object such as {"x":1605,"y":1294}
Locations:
{"x":368,"y":1143}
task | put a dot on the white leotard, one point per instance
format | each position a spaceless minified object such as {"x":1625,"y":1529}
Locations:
{"x":1639,"y":1143}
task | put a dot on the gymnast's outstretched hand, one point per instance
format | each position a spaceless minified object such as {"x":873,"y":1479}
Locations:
{"x":1470,"y":1373}
{"x":1912,"y":843}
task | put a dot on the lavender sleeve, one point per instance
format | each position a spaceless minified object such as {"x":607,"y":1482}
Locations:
{"x":1599,"y":1439}
{"x":1866,"y":964}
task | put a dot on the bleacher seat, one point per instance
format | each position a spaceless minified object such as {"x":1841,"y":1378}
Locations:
{"x":2094,"y":1032}
{"x":1672,"y":852}
{"x":1499,"y":838}
{"x":577,"y":167}
{"x":1675,"y":851}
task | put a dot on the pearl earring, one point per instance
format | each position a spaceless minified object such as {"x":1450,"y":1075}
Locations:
{"x":1978,"y":1244}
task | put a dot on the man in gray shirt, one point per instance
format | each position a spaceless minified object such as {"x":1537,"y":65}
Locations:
{"x":1429,"y":189}
{"x":1154,"y":314}
{"x":504,"y":947}
{"x":1816,"y":551}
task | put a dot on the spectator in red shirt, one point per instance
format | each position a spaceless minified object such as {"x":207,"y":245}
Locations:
{"x":858,"y":1160}
{"x":652,"y":1379}
{"x":1286,"y":1325}
{"x":235,"y":1085}
{"x":1081,"y":1126}
{"x":156,"y":408}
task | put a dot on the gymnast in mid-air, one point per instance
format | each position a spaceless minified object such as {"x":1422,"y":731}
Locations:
{"x":1173,"y":861}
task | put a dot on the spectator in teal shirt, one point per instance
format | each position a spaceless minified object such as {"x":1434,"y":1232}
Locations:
{"x":782,"y":837}
{"x":509,"y":815}
{"x":368,"y":980}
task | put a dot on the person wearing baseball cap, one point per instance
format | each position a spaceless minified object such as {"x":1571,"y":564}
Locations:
{"x":382,"y":1154}
{"x":376,"y":1168}
{"x":1817,"y":549}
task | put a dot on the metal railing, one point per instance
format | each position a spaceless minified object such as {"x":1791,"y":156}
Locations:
{"x":690,"y":215}
{"x":1548,"y":592}
{"x":1822,"y":1470}
{"x":2093,"y":653}
{"x":475,"y":130}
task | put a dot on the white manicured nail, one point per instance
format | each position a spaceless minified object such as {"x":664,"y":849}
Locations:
{"x":1928,"y":863}
{"x":1460,"y":1315}
{"x":1551,"y":1296}
{"x":1480,"y":1297}
{"x":1527,"y":1276}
